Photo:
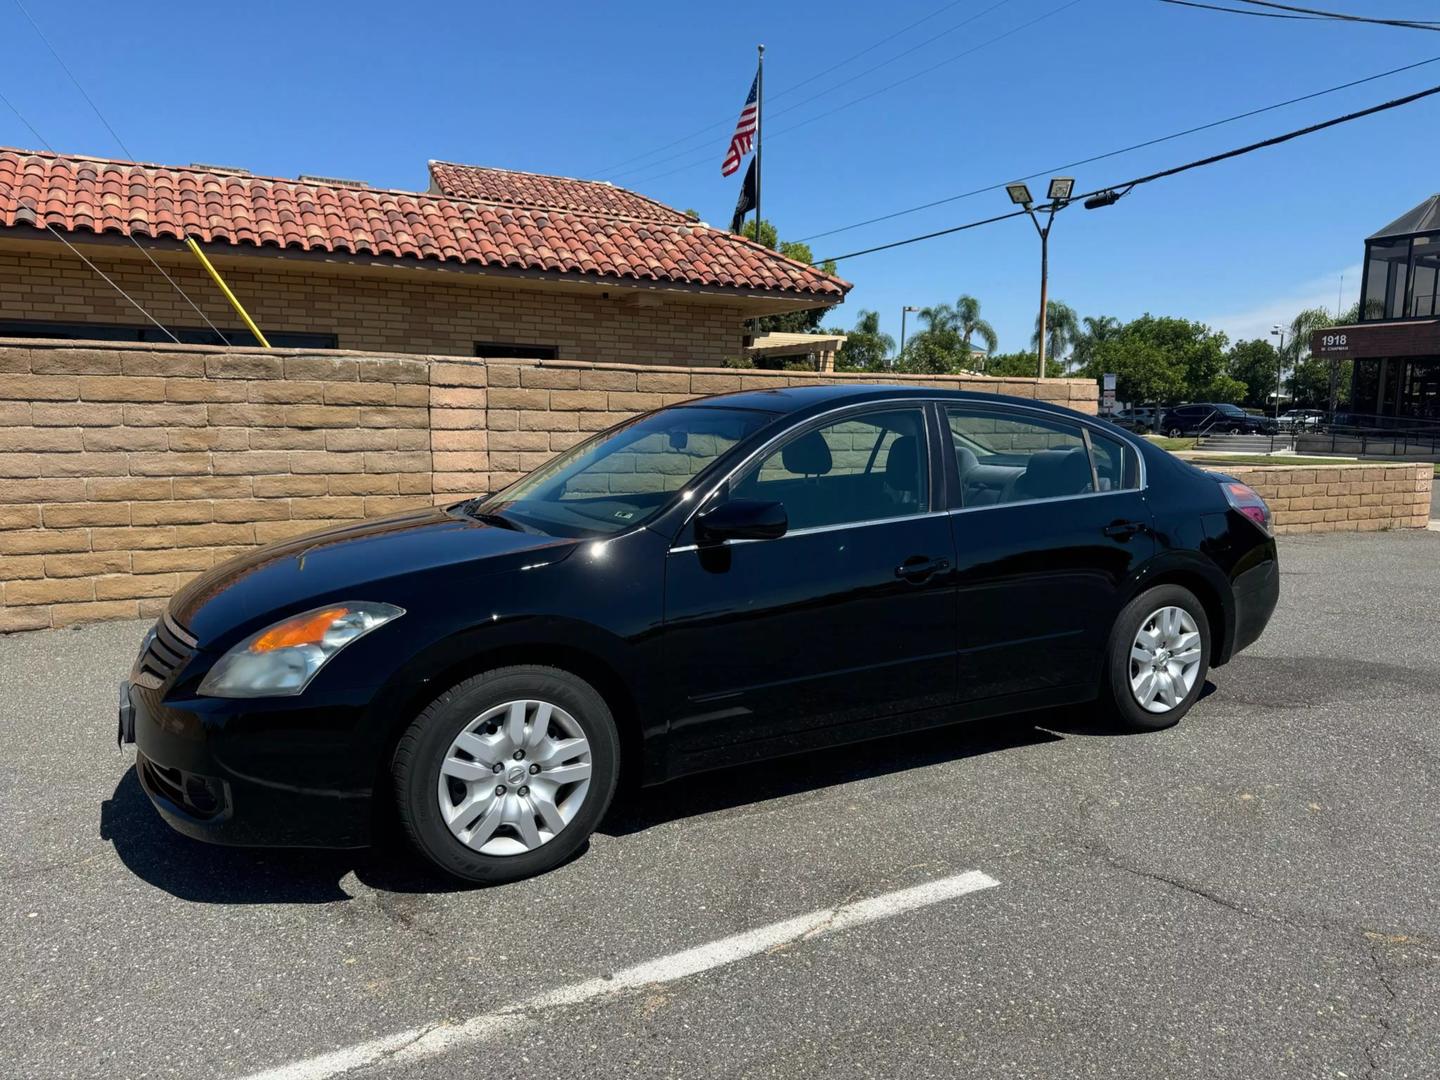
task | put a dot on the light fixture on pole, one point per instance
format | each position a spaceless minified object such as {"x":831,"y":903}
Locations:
{"x":903,"y":312}
{"x":1061,"y":188}
{"x":1279,"y":366}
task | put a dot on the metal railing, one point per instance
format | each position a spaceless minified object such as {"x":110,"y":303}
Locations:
{"x":1397,"y":435}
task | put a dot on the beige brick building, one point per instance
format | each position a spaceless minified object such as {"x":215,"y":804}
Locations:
{"x":488,"y":262}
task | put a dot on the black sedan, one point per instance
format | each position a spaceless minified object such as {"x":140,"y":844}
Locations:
{"x":712,"y":583}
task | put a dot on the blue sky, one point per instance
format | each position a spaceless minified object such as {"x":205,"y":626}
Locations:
{"x":371,"y":91}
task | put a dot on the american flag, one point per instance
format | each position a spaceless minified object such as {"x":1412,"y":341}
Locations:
{"x":744,"y":136}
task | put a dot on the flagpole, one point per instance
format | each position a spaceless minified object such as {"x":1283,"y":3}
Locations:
{"x":759,"y":123}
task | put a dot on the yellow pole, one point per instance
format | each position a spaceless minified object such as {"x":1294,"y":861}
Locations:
{"x":239,"y":308}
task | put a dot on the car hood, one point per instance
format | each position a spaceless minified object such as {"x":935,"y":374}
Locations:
{"x":351,"y":562}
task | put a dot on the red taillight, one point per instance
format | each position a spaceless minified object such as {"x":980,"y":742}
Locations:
{"x":1245,"y":499}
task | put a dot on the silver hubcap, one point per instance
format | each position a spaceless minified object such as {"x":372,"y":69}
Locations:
{"x":1165,"y":659}
{"x":514,"y":777}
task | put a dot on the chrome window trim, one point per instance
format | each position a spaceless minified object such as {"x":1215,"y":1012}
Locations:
{"x":918,"y":403}
{"x":814,"y":529}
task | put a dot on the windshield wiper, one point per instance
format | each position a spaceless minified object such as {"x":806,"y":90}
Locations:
{"x":470,"y":509}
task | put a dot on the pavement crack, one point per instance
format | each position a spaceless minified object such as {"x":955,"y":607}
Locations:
{"x":1383,"y":1022}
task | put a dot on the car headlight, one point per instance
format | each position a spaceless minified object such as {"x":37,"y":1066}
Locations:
{"x":280,"y":660}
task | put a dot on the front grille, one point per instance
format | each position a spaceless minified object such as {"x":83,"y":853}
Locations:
{"x":166,"y":648}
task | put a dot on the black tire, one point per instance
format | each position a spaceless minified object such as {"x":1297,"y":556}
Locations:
{"x":1174,"y":433}
{"x":418,"y":756}
{"x":1116,"y":698}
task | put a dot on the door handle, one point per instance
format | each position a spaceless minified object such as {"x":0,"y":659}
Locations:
{"x":1122,"y":530}
{"x":920,"y":567}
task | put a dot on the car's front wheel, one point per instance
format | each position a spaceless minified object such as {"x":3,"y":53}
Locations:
{"x":1174,"y":433}
{"x":1158,"y":655}
{"x":506,"y":775}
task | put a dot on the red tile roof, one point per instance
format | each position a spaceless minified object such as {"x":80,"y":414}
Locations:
{"x":518,"y":221}
{"x":535,"y":190}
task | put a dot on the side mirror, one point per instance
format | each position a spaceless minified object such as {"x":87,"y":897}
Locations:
{"x":742,"y":519}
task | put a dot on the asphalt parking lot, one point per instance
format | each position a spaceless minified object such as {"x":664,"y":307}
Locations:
{"x":1251,"y":894}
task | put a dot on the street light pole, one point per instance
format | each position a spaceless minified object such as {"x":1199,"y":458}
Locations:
{"x":1044,"y":283}
{"x":1059,"y":196}
{"x":903,"y":312}
{"x":1279,"y":368}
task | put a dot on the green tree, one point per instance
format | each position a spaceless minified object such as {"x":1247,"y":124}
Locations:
{"x":1022,"y":365}
{"x":1097,"y":328}
{"x":1254,"y":363}
{"x":938,"y":348}
{"x":1145,"y":372}
{"x":866,"y":347}
{"x":1062,"y":327}
{"x":793,"y":322}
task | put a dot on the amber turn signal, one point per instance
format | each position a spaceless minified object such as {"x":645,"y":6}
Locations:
{"x":306,"y":629}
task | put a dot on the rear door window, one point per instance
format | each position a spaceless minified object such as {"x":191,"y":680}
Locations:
{"x":1004,"y":457}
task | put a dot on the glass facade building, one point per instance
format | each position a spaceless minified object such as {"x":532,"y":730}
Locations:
{"x":1395,"y":345}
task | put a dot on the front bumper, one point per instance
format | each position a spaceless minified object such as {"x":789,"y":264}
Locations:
{"x":219,"y":773}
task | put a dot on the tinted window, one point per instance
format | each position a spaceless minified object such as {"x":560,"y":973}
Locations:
{"x":626,"y":475}
{"x":863,"y":468}
{"x":1115,"y":467}
{"x":1004,"y":458}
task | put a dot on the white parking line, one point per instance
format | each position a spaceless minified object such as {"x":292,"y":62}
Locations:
{"x":432,"y":1039}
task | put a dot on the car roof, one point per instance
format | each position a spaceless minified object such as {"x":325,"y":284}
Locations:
{"x":796,"y":400}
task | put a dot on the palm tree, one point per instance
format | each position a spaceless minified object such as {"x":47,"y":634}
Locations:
{"x":971,"y":325}
{"x":1098,"y":328}
{"x":1062,"y":329}
{"x":866,"y":347}
{"x":939,"y":317}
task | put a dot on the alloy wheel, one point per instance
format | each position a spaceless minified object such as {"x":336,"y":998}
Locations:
{"x":1165,"y":659}
{"x":514,"y":777}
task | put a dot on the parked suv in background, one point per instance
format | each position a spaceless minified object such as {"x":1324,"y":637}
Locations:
{"x":1215,"y":419}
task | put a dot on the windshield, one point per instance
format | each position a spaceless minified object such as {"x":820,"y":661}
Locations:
{"x":624,"y":476}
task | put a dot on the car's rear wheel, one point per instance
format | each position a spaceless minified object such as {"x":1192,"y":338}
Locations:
{"x":1158,"y":655}
{"x":507,"y":774}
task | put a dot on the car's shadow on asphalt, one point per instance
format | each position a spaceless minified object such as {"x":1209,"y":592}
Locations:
{"x":210,"y":874}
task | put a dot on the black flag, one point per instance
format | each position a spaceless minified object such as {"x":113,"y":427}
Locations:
{"x":747,"y":199}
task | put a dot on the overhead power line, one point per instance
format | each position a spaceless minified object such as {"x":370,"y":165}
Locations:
{"x":1242,"y":11}
{"x":1291,"y":11}
{"x":1123,"y":150}
{"x":1412,"y":24}
{"x":771,"y":135}
{"x":728,"y":122}
{"x":1125,"y":187}
{"x":121,"y":143}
